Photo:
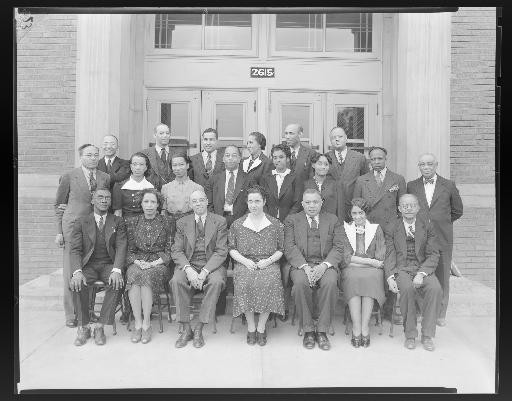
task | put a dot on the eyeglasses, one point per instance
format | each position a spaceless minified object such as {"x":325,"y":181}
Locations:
{"x":91,"y":155}
{"x":139,"y":164}
{"x":408,"y":205}
{"x":200,"y":200}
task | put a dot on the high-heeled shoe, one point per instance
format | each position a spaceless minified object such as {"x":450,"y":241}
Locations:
{"x":356,"y":340}
{"x":365,"y":341}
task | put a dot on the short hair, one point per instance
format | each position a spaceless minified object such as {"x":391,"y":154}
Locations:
{"x":113,"y":136}
{"x":361,"y":203}
{"x":160,"y":124}
{"x":312,"y":191}
{"x":101,"y":189}
{"x":372,"y":148}
{"x":317,"y":156}
{"x":81,"y":148}
{"x":257,"y":189}
{"x":210,"y":130}
{"x":283,"y":148}
{"x":232,"y":146}
{"x":406,"y":195}
{"x":180,"y":154}
{"x":337,"y":127}
{"x":260,"y":138}
{"x":140,"y":196}
{"x":147,"y":173}
{"x":201,"y":190}
{"x":428,"y":154}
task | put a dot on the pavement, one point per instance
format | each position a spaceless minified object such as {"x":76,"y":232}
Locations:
{"x":464,"y":358}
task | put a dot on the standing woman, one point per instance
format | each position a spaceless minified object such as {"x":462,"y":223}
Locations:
{"x":124,"y":193}
{"x":150,"y":236}
{"x":257,"y":164}
{"x":362,"y":277}
{"x":256,"y":245}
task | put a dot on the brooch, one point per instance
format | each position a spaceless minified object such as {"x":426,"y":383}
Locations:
{"x":394,"y":188}
{"x":359,"y":229}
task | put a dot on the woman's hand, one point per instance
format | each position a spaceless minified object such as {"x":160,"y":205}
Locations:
{"x":250,"y":264}
{"x":377,"y":263}
{"x":263,"y":263}
{"x":118,"y":212}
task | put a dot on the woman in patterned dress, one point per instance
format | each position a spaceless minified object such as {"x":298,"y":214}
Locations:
{"x":256,"y":245}
{"x":363,"y":277}
{"x":150,"y":238}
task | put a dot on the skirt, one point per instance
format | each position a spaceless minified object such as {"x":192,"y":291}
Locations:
{"x":153,"y":277}
{"x":363,"y":282}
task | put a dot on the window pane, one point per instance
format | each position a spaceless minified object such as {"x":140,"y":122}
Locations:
{"x":299,"y":32}
{"x":228,"y":31}
{"x":175,"y":116}
{"x":296,"y":114}
{"x":349,"y":32}
{"x":230,"y":121}
{"x":178,"y":31}
{"x":351,"y":119}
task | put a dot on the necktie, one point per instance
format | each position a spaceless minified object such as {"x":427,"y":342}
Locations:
{"x":162,"y":155}
{"x":200,"y":226}
{"x":109,"y":166}
{"x":314,"y":225}
{"x":92,"y":181}
{"x":209,"y":163}
{"x":293,"y":160}
{"x":378,"y":178}
{"x":231,"y":189}
{"x":429,"y":181}
{"x":411,"y":230}
{"x":100,"y":223}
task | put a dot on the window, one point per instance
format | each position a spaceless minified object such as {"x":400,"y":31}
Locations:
{"x":351,"y":119}
{"x":348,"y":33}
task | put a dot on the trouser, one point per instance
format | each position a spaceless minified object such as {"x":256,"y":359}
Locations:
{"x":69,"y":309}
{"x":213,"y":285}
{"x":443,"y":272}
{"x":92,"y":273}
{"x":431,"y":294}
{"x":327,"y":294}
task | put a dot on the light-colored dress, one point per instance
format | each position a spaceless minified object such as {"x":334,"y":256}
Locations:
{"x":176,"y":195}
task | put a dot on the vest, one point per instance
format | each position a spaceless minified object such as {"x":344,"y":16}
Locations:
{"x":198,"y":259}
{"x":100,"y":253}
{"x":314,"y":255}
{"x":411,"y":259}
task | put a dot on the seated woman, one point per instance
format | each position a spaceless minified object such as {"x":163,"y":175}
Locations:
{"x":150,"y":237}
{"x":257,"y":164}
{"x":256,"y":245}
{"x":362,"y":277}
{"x":332,"y":191}
{"x":176,"y":193}
{"x":124,"y":193}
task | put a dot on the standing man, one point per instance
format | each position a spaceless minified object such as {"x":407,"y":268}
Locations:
{"x":381,"y":188}
{"x":300,"y":160}
{"x":118,"y":169}
{"x":98,"y":252}
{"x":440,"y":203}
{"x":160,"y":157}
{"x":199,"y":252}
{"x":209,"y":161}
{"x":74,"y":191}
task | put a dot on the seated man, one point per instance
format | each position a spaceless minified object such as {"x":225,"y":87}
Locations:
{"x":313,"y":248}
{"x":411,"y":259}
{"x":98,"y":252}
{"x":199,"y":251}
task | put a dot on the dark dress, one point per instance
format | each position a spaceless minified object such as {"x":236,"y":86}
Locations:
{"x":148,"y":240}
{"x":259,"y":290}
{"x":364,"y":281}
{"x":126,"y":200}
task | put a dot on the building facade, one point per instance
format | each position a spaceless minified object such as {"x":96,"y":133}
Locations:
{"x":409,"y":82}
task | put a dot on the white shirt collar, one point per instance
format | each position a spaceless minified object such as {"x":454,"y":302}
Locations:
{"x":296,"y":150}
{"x":205,"y":154}
{"x":382,"y":172}
{"x":87,"y":172}
{"x":406,"y":225}
{"x":434,"y":177}
{"x":159,"y":149}
{"x":110,"y":158}
{"x":343,"y":153}
{"x":235,"y":172}
{"x":202,"y":217}
{"x":137,"y":186}
{"x":97,"y":218}
{"x":317,"y":219}
{"x":286,"y":172}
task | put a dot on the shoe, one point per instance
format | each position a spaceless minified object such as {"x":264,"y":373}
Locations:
{"x":184,"y":338}
{"x":146,"y":335}
{"x":323,"y":341}
{"x":198,"y":341}
{"x":441,"y":322}
{"x":356,"y":340}
{"x":427,"y":342}
{"x":125,"y":317}
{"x":82,"y":335}
{"x":99,"y":336}
{"x":72,"y":323}
{"x":284,"y":318}
{"x":410,"y":343}
{"x":136,"y":335}
{"x":365,"y":341}
{"x":309,"y":340}
{"x":251,"y":337}
{"x":261,"y":338}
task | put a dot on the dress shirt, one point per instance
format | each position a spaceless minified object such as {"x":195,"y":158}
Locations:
{"x":318,"y":184}
{"x":341,"y":155}
{"x":204,"y":153}
{"x":176,"y":195}
{"x":111,"y":158}
{"x":280,"y":178}
{"x":382,"y":174}
{"x":296,"y":151}
{"x":87,"y":172}
{"x":159,"y":151}
{"x":429,"y":189}
{"x":255,"y":163}
{"x":229,"y":208}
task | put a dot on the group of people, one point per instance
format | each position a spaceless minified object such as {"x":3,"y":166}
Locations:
{"x":295,"y":227}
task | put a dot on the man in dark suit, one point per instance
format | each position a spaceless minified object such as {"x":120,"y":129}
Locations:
{"x":74,"y":195}
{"x":118,"y":169}
{"x":199,"y":252}
{"x":227,"y":190}
{"x":347,"y":164}
{"x":160,"y":157}
{"x":98,"y":252}
{"x":300,"y":159}
{"x":313,"y":248}
{"x":381,"y":188}
{"x":411,"y":258}
{"x":209,"y":161}
{"x":440,"y":203}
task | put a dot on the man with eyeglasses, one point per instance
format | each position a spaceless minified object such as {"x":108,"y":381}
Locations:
{"x":74,"y":195}
{"x":411,"y":259}
{"x":199,"y":252}
{"x":441,"y":204}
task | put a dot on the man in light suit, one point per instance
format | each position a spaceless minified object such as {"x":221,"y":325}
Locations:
{"x":118,"y":169}
{"x":313,"y":248}
{"x":300,"y":160}
{"x":199,"y":252}
{"x":440,"y":203}
{"x":209,"y":162}
{"x":381,"y":188}
{"x":98,"y":252}
{"x":160,"y":157}
{"x":74,"y":192}
{"x":412,"y":254}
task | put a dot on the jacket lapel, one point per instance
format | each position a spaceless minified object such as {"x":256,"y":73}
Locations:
{"x":109,"y":228}
{"x":222,"y":188}
{"x":402,"y":238}
{"x":81,"y":180}
{"x":190,"y":232}
{"x":301,"y":157}
{"x":91,"y":229}
{"x":388,"y":180}
{"x":116,"y":165}
{"x":437,"y":190}
{"x":303,"y":233}
{"x":286,"y":183}
{"x":419,"y":233}
{"x":372,"y":186}
{"x":238,"y":184}
{"x":420,"y":191}
{"x":209,"y":230}
{"x":324,"y":232}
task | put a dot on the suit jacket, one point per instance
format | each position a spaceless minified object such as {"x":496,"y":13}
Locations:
{"x":290,"y":195}
{"x":74,"y":191}
{"x":215,"y":241}
{"x":215,"y":188}
{"x":445,"y":208}
{"x":303,"y":168}
{"x":83,"y":240}
{"x":258,"y":169}
{"x":198,"y":172}
{"x":355,"y":164}
{"x":161,"y":173}
{"x":426,"y":246}
{"x":334,"y":196}
{"x":383,"y":202}
{"x":120,"y":170}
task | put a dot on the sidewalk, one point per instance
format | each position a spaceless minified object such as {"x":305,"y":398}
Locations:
{"x":464,"y":357}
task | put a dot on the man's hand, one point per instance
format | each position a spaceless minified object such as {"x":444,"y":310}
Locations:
{"x":250,"y":264}
{"x":417,"y":282}
{"x":59,"y":240}
{"x":393,"y":286}
{"x":309,"y":274}
{"x":318,"y":271}
{"x":263,"y":263}
{"x":202,"y":275}
{"x":116,"y":279}
{"x":193,"y":278}
{"x":75,"y":284}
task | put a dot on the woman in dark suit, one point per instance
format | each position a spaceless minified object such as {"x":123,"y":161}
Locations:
{"x":257,"y":164}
